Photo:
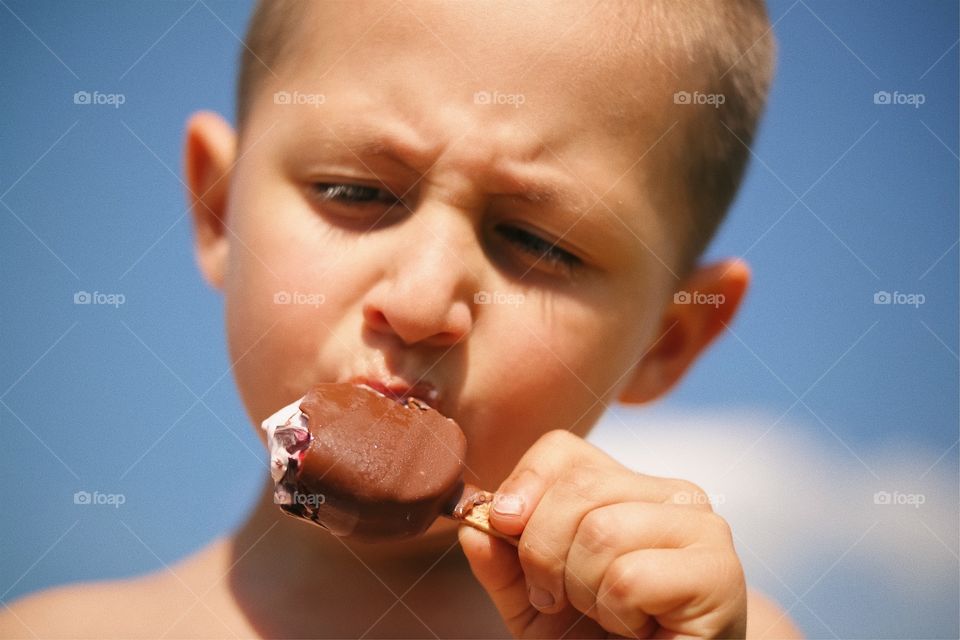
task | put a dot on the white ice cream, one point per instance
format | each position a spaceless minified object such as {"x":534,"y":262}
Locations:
{"x":289,"y":417}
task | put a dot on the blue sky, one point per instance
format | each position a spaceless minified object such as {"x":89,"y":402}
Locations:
{"x":845,"y":198}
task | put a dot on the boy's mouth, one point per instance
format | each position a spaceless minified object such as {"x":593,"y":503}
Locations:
{"x":401,"y":391}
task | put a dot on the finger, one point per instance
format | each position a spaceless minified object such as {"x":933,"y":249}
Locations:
{"x":496,"y":567}
{"x":549,"y":533}
{"x":551,"y":456}
{"x":519,"y":495}
{"x":606,"y":533}
{"x":672,"y":586}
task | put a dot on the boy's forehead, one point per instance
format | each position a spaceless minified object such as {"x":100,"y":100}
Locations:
{"x":461,"y":26}
{"x":543,"y":57}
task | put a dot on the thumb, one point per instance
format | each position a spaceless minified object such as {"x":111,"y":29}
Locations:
{"x":496,"y":566}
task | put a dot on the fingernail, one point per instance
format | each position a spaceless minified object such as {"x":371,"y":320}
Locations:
{"x":540,"y":598}
{"x":508,"y":504}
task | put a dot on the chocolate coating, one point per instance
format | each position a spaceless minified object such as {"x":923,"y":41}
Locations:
{"x":374,"y":468}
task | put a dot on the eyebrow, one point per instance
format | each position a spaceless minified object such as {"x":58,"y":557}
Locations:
{"x":511,"y":179}
{"x":508,"y":181}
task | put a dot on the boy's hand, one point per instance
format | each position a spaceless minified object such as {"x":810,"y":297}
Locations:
{"x":606,"y":551}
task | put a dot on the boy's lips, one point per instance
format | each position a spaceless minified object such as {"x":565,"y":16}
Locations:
{"x":400,"y":391}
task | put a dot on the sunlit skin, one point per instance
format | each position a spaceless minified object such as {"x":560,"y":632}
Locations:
{"x":388,"y":206}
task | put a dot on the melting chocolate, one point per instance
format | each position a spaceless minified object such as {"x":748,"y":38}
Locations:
{"x":364,"y":465}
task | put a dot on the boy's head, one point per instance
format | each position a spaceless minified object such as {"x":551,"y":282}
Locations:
{"x":496,"y":201}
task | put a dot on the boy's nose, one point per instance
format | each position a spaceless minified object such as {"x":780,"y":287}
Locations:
{"x":426,"y":296}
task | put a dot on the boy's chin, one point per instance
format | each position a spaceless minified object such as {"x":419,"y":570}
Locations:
{"x":443,"y":531}
{"x":437,"y":539}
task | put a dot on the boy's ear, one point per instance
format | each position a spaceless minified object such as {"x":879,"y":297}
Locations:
{"x":209,"y":152}
{"x":702,"y":305}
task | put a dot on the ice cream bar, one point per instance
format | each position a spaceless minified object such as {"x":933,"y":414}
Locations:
{"x":367,"y":466}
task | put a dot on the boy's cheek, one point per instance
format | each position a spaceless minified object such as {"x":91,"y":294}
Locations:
{"x":278,"y":335}
{"x":285,"y":306}
{"x":524,"y":386}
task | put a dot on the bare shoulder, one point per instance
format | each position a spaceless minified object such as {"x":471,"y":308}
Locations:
{"x":98,"y":609}
{"x":767,"y":619}
{"x":183,"y":600}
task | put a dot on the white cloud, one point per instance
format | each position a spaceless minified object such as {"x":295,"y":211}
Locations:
{"x":802,"y":506}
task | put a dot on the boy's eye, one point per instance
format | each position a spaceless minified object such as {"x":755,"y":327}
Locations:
{"x":356,"y":196}
{"x":351,"y":193}
{"x":541,"y":249}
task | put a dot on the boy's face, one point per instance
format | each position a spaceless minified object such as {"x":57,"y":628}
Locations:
{"x":501,"y":132}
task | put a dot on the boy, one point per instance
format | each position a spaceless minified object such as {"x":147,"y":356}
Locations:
{"x":489,"y":205}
